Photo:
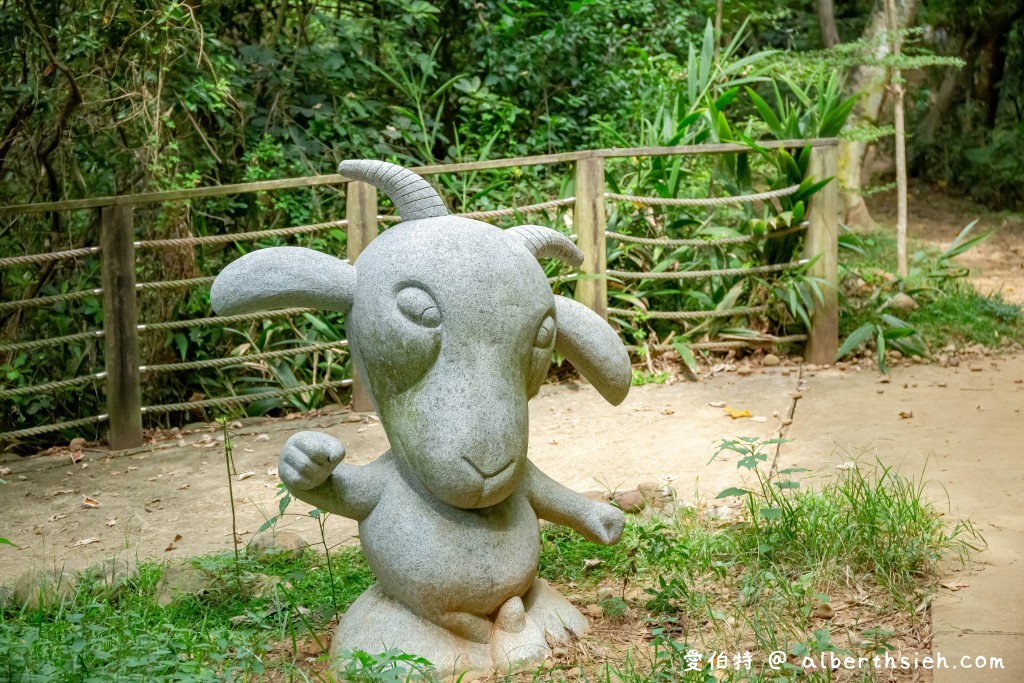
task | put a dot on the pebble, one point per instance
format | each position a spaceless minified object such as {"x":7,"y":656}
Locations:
{"x":594,"y":611}
{"x":743,"y":370}
{"x":630,"y":501}
{"x":824,"y":611}
{"x":354,"y":417}
{"x":771,"y":360}
{"x":269,"y":544}
{"x":605,"y":593}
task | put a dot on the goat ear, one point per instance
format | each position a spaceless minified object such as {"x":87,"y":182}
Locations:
{"x":284,"y":277}
{"x":594,"y":348}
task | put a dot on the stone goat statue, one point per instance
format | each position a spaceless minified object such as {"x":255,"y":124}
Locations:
{"x":451,"y":325}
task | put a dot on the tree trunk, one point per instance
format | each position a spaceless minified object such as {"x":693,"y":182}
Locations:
{"x":827,"y":22}
{"x":901,"y":142}
{"x":871,"y":80}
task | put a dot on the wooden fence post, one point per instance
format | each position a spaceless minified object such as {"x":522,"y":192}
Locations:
{"x":361,"y":212}
{"x":588,"y":219}
{"x":120,"y":325}
{"x":822,"y":241}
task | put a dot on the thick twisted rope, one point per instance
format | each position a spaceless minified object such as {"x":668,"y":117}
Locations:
{"x":243,"y":400}
{"x":176,"y":284}
{"x":53,"y":341}
{"x":240,"y":236}
{"x":703,"y":201}
{"x":687,"y":315}
{"x":242,"y":360}
{"x":52,"y":386}
{"x":698,"y":242}
{"x":43,"y":258}
{"x":529,"y":208}
{"x":724,"y":345}
{"x":56,"y":426}
{"x":695,"y":274}
{"x":222,"y":320}
{"x":48,"y":300}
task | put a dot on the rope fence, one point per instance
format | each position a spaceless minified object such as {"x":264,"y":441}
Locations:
{"x":697,"y":274}
{"x":243,"y":399}
{"x":703,"y":201}
{"x":118,"y":247}
{"x":700,"y":242}
{"x":688,"y":315}
{"x":55,"y":427}
{"x":232,"y":361}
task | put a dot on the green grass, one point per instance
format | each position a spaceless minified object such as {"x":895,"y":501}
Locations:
{"x":966,"y":317}
{"x":687,"y":581}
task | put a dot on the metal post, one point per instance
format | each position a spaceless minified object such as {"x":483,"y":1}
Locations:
{"x":823,"y":242}
{"x":361,"y":212}
{"x":120,"y":320}
{"x":588,"y":220}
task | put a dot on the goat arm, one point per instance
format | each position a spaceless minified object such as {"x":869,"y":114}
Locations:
{"x":597,"y":522}
{"x":311,"y":468}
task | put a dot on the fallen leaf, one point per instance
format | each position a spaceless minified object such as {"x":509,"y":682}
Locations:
{"x":737,"y":413}
{"x":245,"y":475}
{"x":61,"y":492}
{"x":170,"y":546}
{"x":88,"y":502}
{"x":716,"y":404}
{"x":76,"y":457}
{"x":262,"y":437}
{"x":4,"y":471}
{"x":55,"y":516}
{"x":954,"y":585}
{"x":132,"y":469}
{"x":293,"y":416}
{"x":271,"y":471}
{"x":906,"y":414}
{"x":111,"y":522}
{"x":759,"y":418}
{"x":591,"y":562}
{"x":249,"y":450}
{"x":84,"y":541}
{"x":184,"y":486}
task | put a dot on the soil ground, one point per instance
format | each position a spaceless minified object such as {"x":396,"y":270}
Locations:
{"x":170,"y":499}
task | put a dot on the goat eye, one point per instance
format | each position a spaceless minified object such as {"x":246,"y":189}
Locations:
{"x":419,"y":307}
{"x":546,"y":333}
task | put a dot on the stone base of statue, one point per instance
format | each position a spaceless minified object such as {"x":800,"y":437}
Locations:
{"x":523,"y":634}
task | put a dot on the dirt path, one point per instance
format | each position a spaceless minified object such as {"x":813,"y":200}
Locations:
{"x":997,"y":265}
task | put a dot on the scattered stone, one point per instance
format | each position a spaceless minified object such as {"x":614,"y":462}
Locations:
{"x":44,"y":589}
{"x":884,"y":379}
{"x":354,"y":417}
{"x":896,"y":355}
{"x":943,"y":360}
{"x":771,"y":360}
{"x":903,"y":302}
{"x":594,"y":611}
{"x":270,"y":544}
{"x":824,"y":611}
{"x":630,"y":501}
{"x":183,"y":579}
{"x":976,"y":367}
{"x":744,"y":370}
{"x":811,"y":368}
{"x":842,"y":365}
{"x":942,"y":385}
{"x":113,"y":575}
{"x":605,"y":593}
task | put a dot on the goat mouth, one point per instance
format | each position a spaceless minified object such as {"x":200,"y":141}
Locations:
{"x":490,"y":475}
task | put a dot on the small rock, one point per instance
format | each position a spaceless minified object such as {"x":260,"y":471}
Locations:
{"x":942,"y":385}
{"x":605,"y":593}
{"x":842,"y":365}
{"x":44,"y":589}
{"x":354,"y":417}
{"x":648,"y":488}
{"x":811,"y":367}
{"x":943,"y":360}
{"x":884,"y":379}
{"x":976,"y":368}
{"x":630,"y":501}
{"x":771,"y":360}
{"x":275,"y":544}
{"x":824,"y":611}
{"x":599,"y":496}
{"x":896,"y":355}
{"x":182,"y":579}
{"x":903,"y":302}
{"x":594,"y":611}
{"x":744,"y":370}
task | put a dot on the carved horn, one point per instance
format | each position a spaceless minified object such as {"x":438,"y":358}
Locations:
{"x":413,"y":197}
{"x":547,"y":243}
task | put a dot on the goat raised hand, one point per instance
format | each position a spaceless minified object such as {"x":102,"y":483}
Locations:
{"x":451,"y":325}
